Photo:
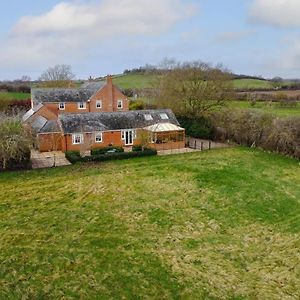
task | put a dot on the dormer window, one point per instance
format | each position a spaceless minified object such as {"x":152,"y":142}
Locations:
{"x":120,"y":104}
{"x":164,"y":116}
{"x":148,"y":117}
{"x":62,"y":105}
{"x":99,"y":104}
{"x":81,"y":105}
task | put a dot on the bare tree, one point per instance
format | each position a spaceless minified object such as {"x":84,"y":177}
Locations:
{"x":194,"y":89}
{"x":25,"y":78}
{"x":144,"y":138}
{"x":57,"y":76}
{"x":15,"y":139}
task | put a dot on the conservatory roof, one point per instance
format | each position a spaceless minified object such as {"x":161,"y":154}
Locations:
{"x":163,"y":127}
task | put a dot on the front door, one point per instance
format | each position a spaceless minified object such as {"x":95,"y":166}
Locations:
{"x":128,"y":137}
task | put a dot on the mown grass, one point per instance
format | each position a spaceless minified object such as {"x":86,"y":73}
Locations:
{"x":274,"y":108}
{"x":222,"y":224}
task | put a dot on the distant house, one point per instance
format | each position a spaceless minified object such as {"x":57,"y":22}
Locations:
{"x":97,"y":115}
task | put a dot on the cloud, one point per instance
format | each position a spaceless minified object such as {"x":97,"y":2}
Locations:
{"x":71,"y":29}
{"x":279,"y":13}
{"x":287,"y":59}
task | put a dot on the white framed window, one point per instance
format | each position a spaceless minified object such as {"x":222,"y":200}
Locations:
{"x":134,"y":134}
{"x":148,"y":117}
{"x":81,"y":105}
{"x":98,"y":137}
{"x":164,"y":116}
{"x":120,"y":104}
{"x":77,"y":138}
{"x":62,"y":105}
{"x":99,"y":104}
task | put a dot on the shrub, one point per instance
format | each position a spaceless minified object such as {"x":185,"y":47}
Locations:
{"x":104,"y":150}
{"x":73,"y":156}
{"x":137,"y":148}
{"x":200,"y":127}
{"x":23,"y":163}
{"x":19,"y":105}
{"x":136,"y":105}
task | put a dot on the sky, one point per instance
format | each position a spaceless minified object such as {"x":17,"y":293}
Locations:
{"x":100,"y":37}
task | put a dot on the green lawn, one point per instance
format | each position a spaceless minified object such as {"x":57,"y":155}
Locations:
{"x":15,"y":96}
{"x":222,"y":224}
{"x":274,"y":108}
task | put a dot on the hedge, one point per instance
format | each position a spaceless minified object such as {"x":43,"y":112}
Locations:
{"x":263,"y":130}
{"x":104,"y":150}
{"x":74,"y":156}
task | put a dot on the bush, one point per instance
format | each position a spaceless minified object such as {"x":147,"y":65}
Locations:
{"x":19,"y":105}
{"x":136,"y":105}
{"x":104,"y":150}
{"x":137,"y":148}
{"x":24,"y":163}
{"x":200,"y":127}
{"x":74,"y":156}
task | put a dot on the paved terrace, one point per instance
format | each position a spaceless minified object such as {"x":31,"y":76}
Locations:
{"x":48,"y":159}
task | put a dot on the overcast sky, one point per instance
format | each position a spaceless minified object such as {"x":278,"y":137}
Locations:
{"x":99,"y":37}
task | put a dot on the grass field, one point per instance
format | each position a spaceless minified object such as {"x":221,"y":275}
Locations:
{"x":274,"y":108}
{"x":139,"y":81}
{"x":135,"y":81}
{"x":14,"y":96}
{"x":252,"y":84}
{"x":222,"y":224}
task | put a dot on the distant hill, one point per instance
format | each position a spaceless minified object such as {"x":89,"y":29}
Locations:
{"x":144,"y":81}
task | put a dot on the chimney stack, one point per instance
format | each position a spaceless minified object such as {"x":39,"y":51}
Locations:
{"x":109,"y":79}
{"x":110,"y":92}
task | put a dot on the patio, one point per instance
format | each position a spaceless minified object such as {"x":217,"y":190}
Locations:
{"x":42,"y":160}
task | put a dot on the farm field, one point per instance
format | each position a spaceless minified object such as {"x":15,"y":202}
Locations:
{"x":274,"y":108}
{"x":135,"y":81}
{"x":222,"y":224}
{"x":139,"y":81}
{"x":15,"y":96}
{"x":252,"y":84}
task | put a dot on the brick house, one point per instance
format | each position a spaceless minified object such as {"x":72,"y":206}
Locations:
{"x":97,"y":115}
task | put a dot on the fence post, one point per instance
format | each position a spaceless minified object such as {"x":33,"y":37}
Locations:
{"x":195,"y":144}
{"x":209,"y":145}
{"x":201,"y":146}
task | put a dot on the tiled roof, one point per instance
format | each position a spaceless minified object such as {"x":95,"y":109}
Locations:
{"x":84,"y":93}
{"x":50,"y":127}
{"x":89,"y":122}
